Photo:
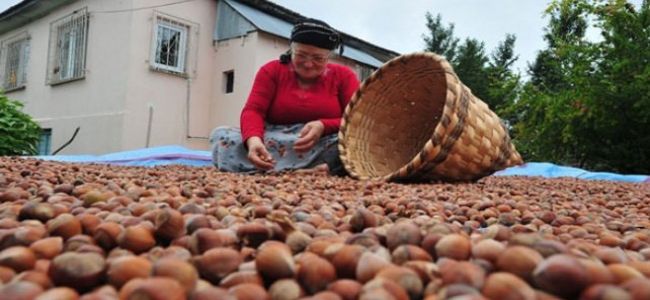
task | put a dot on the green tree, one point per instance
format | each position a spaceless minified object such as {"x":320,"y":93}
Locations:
{"x":504,"y":83}
{"x":19,"y":134}
{"x":588,"y":103}
{"x":470,"y":65}
{"x":441,"y":39}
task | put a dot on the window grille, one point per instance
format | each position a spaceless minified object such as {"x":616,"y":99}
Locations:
{"x":15,"y":55}
{"x":169,"y":51}
{"x":68,"y":43}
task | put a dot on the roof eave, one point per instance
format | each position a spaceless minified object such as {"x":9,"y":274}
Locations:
{"x":27,"y":11}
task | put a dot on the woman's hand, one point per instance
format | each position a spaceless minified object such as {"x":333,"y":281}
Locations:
{"x":309,"y":136}
{"x":258,"y":155}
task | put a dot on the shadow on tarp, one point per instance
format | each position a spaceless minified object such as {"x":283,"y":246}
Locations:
{"x":178,"y":155}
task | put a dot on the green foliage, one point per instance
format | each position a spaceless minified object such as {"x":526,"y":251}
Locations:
{"x":19,"y":134}
{"x":588,"y":103}
{"x":441,"y":39}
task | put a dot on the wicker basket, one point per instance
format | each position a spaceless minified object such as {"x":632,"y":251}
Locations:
{"x":414,"y":120}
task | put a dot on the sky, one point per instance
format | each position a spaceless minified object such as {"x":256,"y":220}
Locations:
{"x":399,"y":25}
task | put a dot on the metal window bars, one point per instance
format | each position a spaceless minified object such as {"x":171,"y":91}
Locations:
{"x":14,"y":59}
{"x":170,"y":45}
{"x":68,"y":43}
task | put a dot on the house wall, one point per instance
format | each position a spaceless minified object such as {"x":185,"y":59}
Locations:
{"x":96,"y":103}
{"x":167,"y":98}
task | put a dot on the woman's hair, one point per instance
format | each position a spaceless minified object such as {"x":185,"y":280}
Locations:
{"x":316,"y":33}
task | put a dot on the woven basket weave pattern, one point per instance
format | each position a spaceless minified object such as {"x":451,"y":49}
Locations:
{"x":414,"y":120}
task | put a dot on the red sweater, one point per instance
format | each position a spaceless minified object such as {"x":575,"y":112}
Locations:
{"x":277,"y":99}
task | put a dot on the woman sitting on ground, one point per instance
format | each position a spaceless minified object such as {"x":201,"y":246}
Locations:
{"x":293,"y":113}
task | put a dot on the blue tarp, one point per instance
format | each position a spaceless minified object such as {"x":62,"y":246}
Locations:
{"x":167,"y":155}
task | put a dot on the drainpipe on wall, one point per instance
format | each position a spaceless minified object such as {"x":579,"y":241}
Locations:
{"x":187,"y":113}
{"x":149,"y":121}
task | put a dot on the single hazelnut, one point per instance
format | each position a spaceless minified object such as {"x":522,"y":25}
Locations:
{"x":136,"y":238}
{"x":217,"y":263}
{"x":286,"y":289}
{"x":274,"y":261}
{"x":59,"y":293}
{"x":346,"y":288}
{"x":454,"y":246}
{"x":47,"y":248}
{"x":18,"y":258}
{"x":314,"y":272}
{"x":125,"y":268}
{"x":519,"y":260}
{"x":152,"y":288}
{"x":64,"y":225}
{"x":562,"y":275}
{"x":502,"y":285}
{"x":81,"y":271}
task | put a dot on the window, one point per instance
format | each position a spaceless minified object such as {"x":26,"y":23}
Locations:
{"x":169,"y":45}
{"x":68,"y":40}
{"x":15,"y":54}
{"x":228,"y":81}
{"x":44,"y":146}
{"x":365,"y":72}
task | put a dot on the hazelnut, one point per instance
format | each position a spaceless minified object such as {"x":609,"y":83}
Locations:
{"x":369,"y":265}
{"x":562,"y":275}
{"x":488,"y":249}
{"x":286,"y":289}
{"x":623,"y":273}
{"x":64,"y":225}
{"x":20,"y":290}
{"x":501,"y":285}
{"x":176,"y":268}
{"x":47,"y":248}
{"x":249,"y":291}
{"x":274,"y":261}
{"x":125,"y":268}
{"x":346,"y":259}
{"x":382,"y":288}
{"x":37,"y":277}
{"x":253,"y":234}
{"x":405,"y":232}
{"x":211,"y":292}
{"x":604,"y":292}
{"x":169,"y":224}
{"x":404,"y":253}
{"x":153,"y":288}
{"x":405,"y":277}
{"x":136,"y":238}
{"x":217,"y":263}
{"x":106,"y":234}
{"x":59,"y":293}
{"x":346,"y":288}
{"x":239,"y":277}
{"x":464,"y":273}
{"x":361,"y":219}
{"x":18,"y":258}
{"x":454,"y":246}
{"x":519,"y":260}
{"x":81,"y":271}
{"x":639,"y":288}
{"x":314,"y":272}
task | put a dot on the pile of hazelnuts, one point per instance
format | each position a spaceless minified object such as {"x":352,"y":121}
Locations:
{"x":96,"y":231}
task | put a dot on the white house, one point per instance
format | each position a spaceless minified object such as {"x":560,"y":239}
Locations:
{"x":139,"y":73}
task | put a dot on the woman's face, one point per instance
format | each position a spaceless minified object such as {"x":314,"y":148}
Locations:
{"x":309,"y":61}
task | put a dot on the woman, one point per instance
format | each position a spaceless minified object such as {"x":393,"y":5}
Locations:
{"x":293,"y":113}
